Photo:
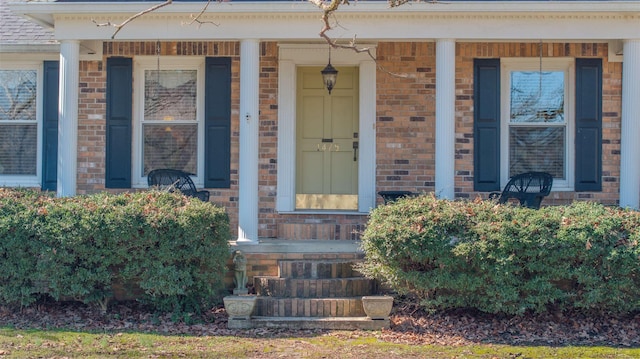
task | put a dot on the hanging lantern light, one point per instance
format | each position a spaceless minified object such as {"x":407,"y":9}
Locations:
{"x":329,"y":75}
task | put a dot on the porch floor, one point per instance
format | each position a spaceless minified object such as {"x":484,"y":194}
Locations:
{"x":269,"y":245}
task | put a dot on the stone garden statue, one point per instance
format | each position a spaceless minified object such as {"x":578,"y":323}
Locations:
{"x":240,"y":273}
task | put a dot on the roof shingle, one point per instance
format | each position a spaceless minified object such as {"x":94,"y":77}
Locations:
{"x":16,"y":30}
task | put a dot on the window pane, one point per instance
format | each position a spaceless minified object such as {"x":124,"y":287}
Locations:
{"x":18,"y":95}
{"x":170,"y":146}
{"x":170,"y":95}
{"x":537,"y":97}
{"x":18,"y":149}
{"x":537,"y":149}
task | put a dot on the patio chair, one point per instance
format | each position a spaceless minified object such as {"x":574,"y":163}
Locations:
{"x":170,"y":180}
{"x":392,"y":196}
{"x":528,"y":188}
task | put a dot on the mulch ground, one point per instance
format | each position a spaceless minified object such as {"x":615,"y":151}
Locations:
{"x":408,"y":325}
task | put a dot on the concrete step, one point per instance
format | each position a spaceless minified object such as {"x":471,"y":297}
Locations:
{"x":308,"y":307}
{"x":321,"y":269}
{"x":347,"y":323}
{"x":314,"y":288}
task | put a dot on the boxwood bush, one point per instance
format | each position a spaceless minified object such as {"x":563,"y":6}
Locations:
{"x":172,"y":248}
{"x":506,"y":259}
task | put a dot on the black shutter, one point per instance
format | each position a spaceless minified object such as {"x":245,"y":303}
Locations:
{"x":588,"y":125}
{"x":50,"y":126}
{"x":486,"y":125}
{"x":217,"y":112}
{"x":119,"y":108}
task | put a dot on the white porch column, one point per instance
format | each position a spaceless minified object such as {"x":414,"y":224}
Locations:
{"x":445,"y":118}
{"x":68,"y":118}
{"x":367,"y":138}
{"x":249,"y":127}
{"x":629,"y":144}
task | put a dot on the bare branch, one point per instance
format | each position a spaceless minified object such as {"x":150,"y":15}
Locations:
{"x":328,"y":8}
{"x":143,"y":12}
{"x":196,"y":18}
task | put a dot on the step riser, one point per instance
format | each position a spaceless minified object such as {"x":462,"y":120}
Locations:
{"x":294,"y":307}
{"x":310,"y":323}
{"x":314,"y":288}
{"x":317,"y":269}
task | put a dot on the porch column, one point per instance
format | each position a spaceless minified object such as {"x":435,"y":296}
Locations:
{"x":629,"y":144}
{"x":445,"y":118}
{"x":68,"y":117}
{"x":249,"y":126}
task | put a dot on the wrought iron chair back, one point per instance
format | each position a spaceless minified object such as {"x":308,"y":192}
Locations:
{"x":171,"y":180}
{"x":528,"y":188}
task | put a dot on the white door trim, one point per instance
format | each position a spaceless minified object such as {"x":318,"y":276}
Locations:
{"x":291,"y":56}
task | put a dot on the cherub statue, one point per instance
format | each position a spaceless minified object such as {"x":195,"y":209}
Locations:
{"x":240,"y":268}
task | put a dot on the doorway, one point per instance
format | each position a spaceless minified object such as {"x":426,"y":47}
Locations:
{"x":327,"y":141}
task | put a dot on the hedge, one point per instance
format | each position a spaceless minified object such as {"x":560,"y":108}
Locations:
{"x":506,"y":259}
{"x":173,"y":248}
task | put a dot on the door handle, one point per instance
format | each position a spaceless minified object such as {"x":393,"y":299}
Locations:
{"x":355,"y":151}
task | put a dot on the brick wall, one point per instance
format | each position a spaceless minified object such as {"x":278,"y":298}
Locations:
{"x":268,"y":151}
{"x":405,"y":111}
{"x":406,"y":115}
{"x":612,"y":95}
{"x":92,"y":111}
{"x":405,"y":123}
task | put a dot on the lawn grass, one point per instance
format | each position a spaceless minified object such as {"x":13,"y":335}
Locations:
{"x":74,"y":344}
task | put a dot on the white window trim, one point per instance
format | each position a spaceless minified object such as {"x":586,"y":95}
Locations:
{"x":28,"y":180}
{"x":533,"y":64}
{"x":143,"y":63}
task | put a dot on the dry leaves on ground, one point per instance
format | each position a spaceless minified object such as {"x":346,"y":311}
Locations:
{"x":408,"y":325}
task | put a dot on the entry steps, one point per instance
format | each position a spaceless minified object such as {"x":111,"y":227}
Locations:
{"x":313,"y":294}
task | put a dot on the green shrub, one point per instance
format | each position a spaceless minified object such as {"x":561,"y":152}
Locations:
{"x":173,"y":247}
{"x":506,"y":259}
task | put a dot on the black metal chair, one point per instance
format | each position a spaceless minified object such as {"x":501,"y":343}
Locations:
{"x":392,"y":196}
{"x":170,"y":180}
{"x":528,"y":188}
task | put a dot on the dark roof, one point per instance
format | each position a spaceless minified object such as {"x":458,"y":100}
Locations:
{"x":444,"y":1}
{"x":16,"y":30}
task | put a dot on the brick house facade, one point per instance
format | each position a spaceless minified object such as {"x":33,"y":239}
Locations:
{"x":420,"y":139}
{"x":405,"y":121}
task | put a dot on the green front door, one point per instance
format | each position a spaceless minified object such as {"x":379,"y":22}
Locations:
{"x":327,"y":141}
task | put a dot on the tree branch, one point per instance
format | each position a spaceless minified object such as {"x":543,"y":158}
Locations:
{"x":196,"y":18}
{"x":143,"y":12}
{"x":328,"y":8}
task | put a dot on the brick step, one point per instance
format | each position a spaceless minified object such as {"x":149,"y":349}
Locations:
{"x":345,"y":323}
{"x":314,"y":288}
{"x":323,"y":268}
{"x":308,"y":307}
